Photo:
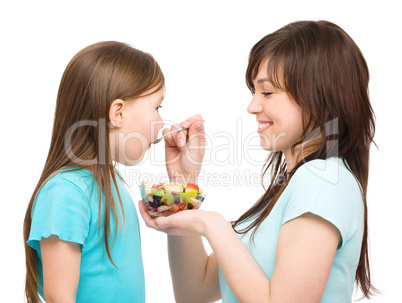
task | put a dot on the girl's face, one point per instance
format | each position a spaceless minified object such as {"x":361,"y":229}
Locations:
{"x":135,"y":124}
{"x":279,"y":117}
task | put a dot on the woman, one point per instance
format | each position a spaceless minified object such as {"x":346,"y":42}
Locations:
{"x":305,"y":240}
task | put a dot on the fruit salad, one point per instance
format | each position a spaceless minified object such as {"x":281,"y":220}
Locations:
{"x":165,"y":199}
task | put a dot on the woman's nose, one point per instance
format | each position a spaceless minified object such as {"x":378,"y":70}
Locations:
{"x":254,"y":107}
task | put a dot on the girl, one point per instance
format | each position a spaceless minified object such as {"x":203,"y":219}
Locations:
{"x":305,"y":239}
{"x":81,"y":227}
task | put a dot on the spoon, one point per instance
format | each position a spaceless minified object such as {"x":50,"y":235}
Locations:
{"x":177,"y":130}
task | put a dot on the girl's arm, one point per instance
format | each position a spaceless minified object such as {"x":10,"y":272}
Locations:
{"x":305,"y":251}
{"x":61,"y":269}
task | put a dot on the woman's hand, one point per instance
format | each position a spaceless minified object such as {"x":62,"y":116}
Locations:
{"x":184,"y":223}
{"x":195,"y":275}
{"x":185,"y":150}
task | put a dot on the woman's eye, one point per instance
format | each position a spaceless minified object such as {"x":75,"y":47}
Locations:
{"x":159,"y":107}
{"x":266,"y":93}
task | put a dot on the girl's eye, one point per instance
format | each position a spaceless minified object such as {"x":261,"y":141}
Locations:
{"x":159,"y":107}
{"x":266,"y":93}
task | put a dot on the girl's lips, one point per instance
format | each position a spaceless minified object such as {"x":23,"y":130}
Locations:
{"x":261,"y":130}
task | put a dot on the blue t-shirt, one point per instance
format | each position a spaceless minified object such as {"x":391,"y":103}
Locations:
{"x":68,"y":206}
{"x":325,"y":188}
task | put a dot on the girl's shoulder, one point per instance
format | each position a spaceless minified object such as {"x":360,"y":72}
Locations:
{"x":70,"y":179}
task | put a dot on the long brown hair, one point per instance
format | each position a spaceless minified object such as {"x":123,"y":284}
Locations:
{"x":322,"y":69}
{"x":94,"y":78}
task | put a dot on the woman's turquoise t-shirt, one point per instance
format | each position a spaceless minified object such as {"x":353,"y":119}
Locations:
{"x":325,"y":188}
{"x":68,"y":206}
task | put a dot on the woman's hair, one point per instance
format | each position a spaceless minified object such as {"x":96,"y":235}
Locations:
{"x":323,"y":70}
{"x":94,"y":78}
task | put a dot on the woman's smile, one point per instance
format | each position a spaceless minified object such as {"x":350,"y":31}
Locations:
{"x":263,"y":125}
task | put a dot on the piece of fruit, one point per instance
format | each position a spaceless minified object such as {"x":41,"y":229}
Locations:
{"x":157,"y":200}
{"x":167,"y":199}
{"x":145,"y":183}
{"x":163,"y":208}
{"x":174,"y":187}
{"x":151,"y":202}
{"x":185,"y":198}
{"x":158,"y":192}
{"x":181,"y":207}
{"x":158,"y":185}
{"x":178,"y":207}
{"x":175,"y":208}
{"x":195,"y":202}
{"x":148,"y":191}
{"x":191,"y":189}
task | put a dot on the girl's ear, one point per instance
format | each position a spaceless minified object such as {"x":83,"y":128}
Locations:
{"x":116,"y":113}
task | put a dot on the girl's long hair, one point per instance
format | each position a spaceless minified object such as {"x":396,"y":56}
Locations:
{"x":93,"y":79}
{"x":323,"y":70}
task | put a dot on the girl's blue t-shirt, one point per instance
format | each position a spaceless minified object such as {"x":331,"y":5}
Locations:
{"x":325,"y":188}
{"x":68,"y":206}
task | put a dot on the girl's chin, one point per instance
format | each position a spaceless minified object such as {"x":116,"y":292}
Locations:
{"x":134,"y":160}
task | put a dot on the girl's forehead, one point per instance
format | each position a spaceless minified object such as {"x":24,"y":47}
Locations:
{"x":160,"y":94}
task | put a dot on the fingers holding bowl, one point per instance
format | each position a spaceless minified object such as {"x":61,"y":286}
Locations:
{"x":149,"y":221}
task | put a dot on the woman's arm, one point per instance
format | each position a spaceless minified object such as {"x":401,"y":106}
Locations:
{"x":194,"y":273}
{"x":305,"y":251}
{"x":61,"y":269}
{"x":304,"y":254}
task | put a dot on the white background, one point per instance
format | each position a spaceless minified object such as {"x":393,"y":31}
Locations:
{"x":202,"y":47}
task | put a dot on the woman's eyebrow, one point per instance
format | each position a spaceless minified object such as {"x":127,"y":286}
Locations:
{"x":260,"y":81}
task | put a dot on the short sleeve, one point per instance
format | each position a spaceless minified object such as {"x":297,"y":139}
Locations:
{"x":60,"y":209}
{"x":333,"y":194}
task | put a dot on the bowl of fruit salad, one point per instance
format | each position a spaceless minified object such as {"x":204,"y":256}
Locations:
{"x":165,"y":199}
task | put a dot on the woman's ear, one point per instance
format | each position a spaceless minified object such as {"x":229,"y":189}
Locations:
{"x":116,"y":113}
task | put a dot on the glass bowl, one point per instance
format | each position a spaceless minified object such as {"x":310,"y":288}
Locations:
{"x":165,"y":199}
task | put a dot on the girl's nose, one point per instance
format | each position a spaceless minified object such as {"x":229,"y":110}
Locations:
{"x":161,"y":124}
{"x":254,"y":107}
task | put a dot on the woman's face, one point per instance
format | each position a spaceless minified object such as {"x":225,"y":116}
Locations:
{"x":140,"y":126}
{"x":279,"y":117}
